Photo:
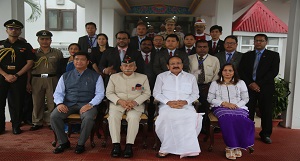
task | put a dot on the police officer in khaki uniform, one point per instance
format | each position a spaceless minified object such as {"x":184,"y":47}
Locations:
{"x":44,"y":79}
{"x":16,"y":58}
{"x":126,"y":91}
{"x":170,"y":27}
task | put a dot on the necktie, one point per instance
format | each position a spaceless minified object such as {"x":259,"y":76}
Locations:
{"x":171,"y":54}
{"x":91,"y":41}
{"x":256,"y":65}
{"x":122,"y":54}
{"x":188,"y":51}
{"x":214,"y":47}
{"x":201,"y":76}
{"x":229,"y":58}
{"x":157,"y":49}
{"x":146,"y":59}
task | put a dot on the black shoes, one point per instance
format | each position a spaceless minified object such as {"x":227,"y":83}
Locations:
{"x":116,"y":151}
{"x":128,"y":151}
{"x":61,"y":148}
{"x":16,"y":130}
{"x":35,"y":127}
{"x":79,"y":149}
{"x":266,"y":140}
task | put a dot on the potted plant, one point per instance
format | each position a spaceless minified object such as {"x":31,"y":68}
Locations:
{"x":282,"y":91}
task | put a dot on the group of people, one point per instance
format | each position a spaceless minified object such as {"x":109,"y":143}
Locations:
{"x":174,"y":70}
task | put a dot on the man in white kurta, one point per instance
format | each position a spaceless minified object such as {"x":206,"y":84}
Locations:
{"x":178,"y":124}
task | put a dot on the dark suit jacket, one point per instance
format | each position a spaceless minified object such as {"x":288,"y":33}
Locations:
{"x":83,"y":42}
{"x":219,"y":47}
{"x":148,"y":70}
{"x":162,"y":57}
{"x":235,"y":60}
{"x":193,"y":51}
{"x":134,"y":42}
{"x":267,"y":70}
{"x":112,"y":57}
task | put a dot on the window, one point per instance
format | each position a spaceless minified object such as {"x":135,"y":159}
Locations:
{"x":247,"y":43}
{"x":61,"y":20}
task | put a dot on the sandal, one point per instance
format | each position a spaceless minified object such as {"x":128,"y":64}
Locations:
{"x":161,"y":155}
{"x":238,"y":153}
{"x":230,"y":154}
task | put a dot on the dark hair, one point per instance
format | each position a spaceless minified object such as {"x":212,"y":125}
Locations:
{"x":175,"y":56}
{"x":189,"y":34}
{"x":102,"y":34}
{"x":174,"y":36}
{"x":146,"y":40}
{"x":90,"y":23}
{"x":263,"y":35}
{"x":231,"y":37}
{"x":76,"y":44}
{"x":201,"y":41}
{"x":123,"y":32}
{"x":214,"y":27}
{"x":82,"y":53}
{"x":160,"y":36}
{"x":235,"y":77}
{"x":141,"y":24}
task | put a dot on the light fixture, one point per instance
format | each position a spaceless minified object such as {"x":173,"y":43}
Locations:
{"x":146,"y":17}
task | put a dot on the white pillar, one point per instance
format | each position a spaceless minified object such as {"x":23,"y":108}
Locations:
{"x":224,"y":16}
{"x":292,"y":66}
{"x":13,"y":9}
{"x":112,"y":23}
{"x":93,"y":13}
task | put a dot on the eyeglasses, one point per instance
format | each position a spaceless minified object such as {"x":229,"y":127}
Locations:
{"x":259,"y":40}
{"x":119,"y":39}
{"x":12,"y":28}
{"x":230,"y":43}
{"x":175,"y":64}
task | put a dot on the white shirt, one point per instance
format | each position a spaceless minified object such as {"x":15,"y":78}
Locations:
{"x":236,"y":94}
{"x":169,"y":87}
{"x":144,"y":56}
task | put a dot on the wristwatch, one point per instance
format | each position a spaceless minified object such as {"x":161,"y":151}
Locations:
{"x":17,"y":75}
{"x":90,"y":104}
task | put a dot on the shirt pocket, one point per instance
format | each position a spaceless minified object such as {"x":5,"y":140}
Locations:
{"x":209,"y":70}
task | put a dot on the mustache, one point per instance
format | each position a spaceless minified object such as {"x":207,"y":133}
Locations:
{"x":175,"y":67}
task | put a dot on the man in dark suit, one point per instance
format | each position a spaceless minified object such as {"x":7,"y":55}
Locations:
{"x":258,"y":68}
{"x":230,"y":55}
{"x":162,"y":57}
{"x":215,"y":44}
{"x":111,"y":59}
{"x":88,"y":41}
{"x":141,"y":30}
{"x":158,"y":42}
{"x":189,"y":42}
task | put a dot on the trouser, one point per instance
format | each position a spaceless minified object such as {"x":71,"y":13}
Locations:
{"x":87,"y":123}
{"x":42,"y":88}
{"x":114,"y":121}
{"x":26,"y":114}
{"x":204,"y":107}
{"x":264,"y":100}
{"x":17,"y":91}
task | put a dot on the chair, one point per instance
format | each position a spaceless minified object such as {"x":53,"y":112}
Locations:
{"x":156,"y":139}
{"x":143,"y":123}
{"x":75,"y":119}
{"x":214,"y":123}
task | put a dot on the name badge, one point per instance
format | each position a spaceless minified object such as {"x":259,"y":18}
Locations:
{"x":89,"y":50}
{"x":11,"y":67}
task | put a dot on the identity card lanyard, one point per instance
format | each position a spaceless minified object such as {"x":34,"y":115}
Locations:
{"x":201,"y":61}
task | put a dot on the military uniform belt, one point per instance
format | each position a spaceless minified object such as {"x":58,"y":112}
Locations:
{"x":43,"y":75}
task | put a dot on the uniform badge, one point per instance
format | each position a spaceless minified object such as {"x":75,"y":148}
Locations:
{"x":22,"y":49}
{"x":138,"y":87}
{"x":44,"y":33}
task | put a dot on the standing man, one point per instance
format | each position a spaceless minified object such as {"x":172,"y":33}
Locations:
{"x":205,"y":68}
{"x":158,"y":42}
{"x":44,"y":79}
{"x":88,"y":41}
{"x":162,"y":57}
{"x":177,"y":124}
{"x":78,"y":91}
{"x":200,"y":26}
{"x":258,"y":68}
{"x":170,"y":29}
{"x":135,"y":41}
{"x":215,"y":44}
{"x":230,"y":55}
{"x":126,"y":91}
{"x":189,"y":42}
{"x":16,"y":58}
{"x":111,"y":59}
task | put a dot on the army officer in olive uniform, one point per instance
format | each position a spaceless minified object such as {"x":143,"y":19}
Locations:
{"x":16,"y":58}
{"x":126,"y":91}
{"x":44,"y":79}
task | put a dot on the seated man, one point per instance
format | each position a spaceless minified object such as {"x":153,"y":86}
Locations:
{"x":126,"y":91}
{"x":177,"y":124}
{"x":77,"y":91}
